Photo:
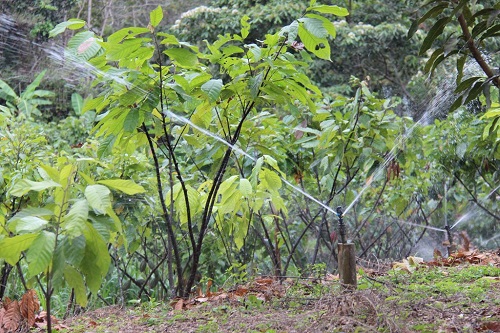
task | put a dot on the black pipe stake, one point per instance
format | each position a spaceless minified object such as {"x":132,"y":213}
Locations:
{"x":450,"y":239}
{"x":340,"y":215}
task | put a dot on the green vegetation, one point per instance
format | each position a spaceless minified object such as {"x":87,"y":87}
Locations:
{"x":216,"y":147}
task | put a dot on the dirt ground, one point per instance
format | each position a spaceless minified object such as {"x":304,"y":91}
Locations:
{"x":463,"y":296}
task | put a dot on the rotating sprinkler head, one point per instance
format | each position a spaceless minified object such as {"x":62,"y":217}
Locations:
{"x":340,"y":214}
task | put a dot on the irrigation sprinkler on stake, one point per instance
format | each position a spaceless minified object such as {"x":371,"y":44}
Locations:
{"x":346,"y":255}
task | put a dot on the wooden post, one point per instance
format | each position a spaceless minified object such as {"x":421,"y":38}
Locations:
{"x":347,"y":265}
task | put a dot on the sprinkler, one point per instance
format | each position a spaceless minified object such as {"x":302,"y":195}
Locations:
{"x":340,"y":215}
{"x":346,"y":256}
{"x":450,"y":239}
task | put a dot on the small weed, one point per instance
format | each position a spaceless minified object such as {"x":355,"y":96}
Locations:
{"x":425,"y":328}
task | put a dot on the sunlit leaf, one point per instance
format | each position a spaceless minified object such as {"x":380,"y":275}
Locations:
{"x":98,"y":197}
{"x":13,"y":246}
{"x":30,"y":224}
{"x":24,"y":186}
{"x":156,"y":16}
{"x":126,"y":186}
{"x":74,"y":221}
{"x":183,"y":57}
{"x":326,"y":9}
{"x":245,"y":187}
{"x":72,"y":24}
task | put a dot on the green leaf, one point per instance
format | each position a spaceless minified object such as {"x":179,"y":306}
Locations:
{"x":29,"y":92}
{"x":98,"y":197}
{"x":40,"y":253}
{"x":327,"y":24}
{"x":7,"y":90}
{"x":74,"y":221}
{"x":84,"y":45}
{"x":434,"y":32}
{"x":212,"y":88}
{"x":270,"y":180}
{"x":77,"y":103}
{"x":66,"y":175}
{"x":31,"y":211}
{"x":273,"y":163}
{"x":75,"y":281}
{"x":255,"y":84}
{"x":156,"y":16}
{"x":72,"y":24}
{"x":433,"y":12}
{"x":106,"y":145}
{"x":131,"y":121}
{"x":436,"y":58}
{"x":13,"y":246}
{"x":326,"y":9}
{"x":94,"y":104}
{"x":30,"y":224}
{"x":245,"y":26}
{"x":245,"y":187}
{"x":314,"y":26}
{"x":317,"y":46}
{"x":124,"y":185}
{"x":24,"y":186}
{"x":183,"y":57}
{"x":96,"y":261}
{"x":74,"y":249}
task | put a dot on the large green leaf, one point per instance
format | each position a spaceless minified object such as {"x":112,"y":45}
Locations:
{"x":75,"y":281}
{"x":314,"y":44}
{"x":72,"y":24}
{"x":96,"y":261}
{"x":245,"y":26}
{"x":7,"y":90}
{"x":74,"y":249}
{"x":183,"y":57}
{"x":245,"y":187}
{"x":212,"y":88}
{"x":327,"y":24}
{"x":32,"y":211}
{"x":434,"y":32}
{"x":156,"y":16}
{"x":126,"y":186}
{"x":13,"y":246}
{"x":98,"y":197}
{"x":30,"y":224}
{"x":40,"y":253}
{"x":74,"y":221}
{"x":433,"y":12}
{"x":84,"y":45}
{"x":270,"y":180}
{"x":77,"y":103}
{"x":255,"y":84}
{"x":326,"y":9}
{"x":24,"y":186}
{"x":314,"y":26}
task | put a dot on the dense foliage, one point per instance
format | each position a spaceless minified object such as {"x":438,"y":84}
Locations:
{"x":220,"y":146}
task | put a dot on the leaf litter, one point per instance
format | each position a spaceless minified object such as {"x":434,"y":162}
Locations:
{"x":295,"y":304}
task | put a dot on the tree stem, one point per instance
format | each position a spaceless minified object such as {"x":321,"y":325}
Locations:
{"x":476,"y":53}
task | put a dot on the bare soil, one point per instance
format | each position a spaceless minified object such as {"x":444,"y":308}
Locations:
{"x":441,"y":296}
